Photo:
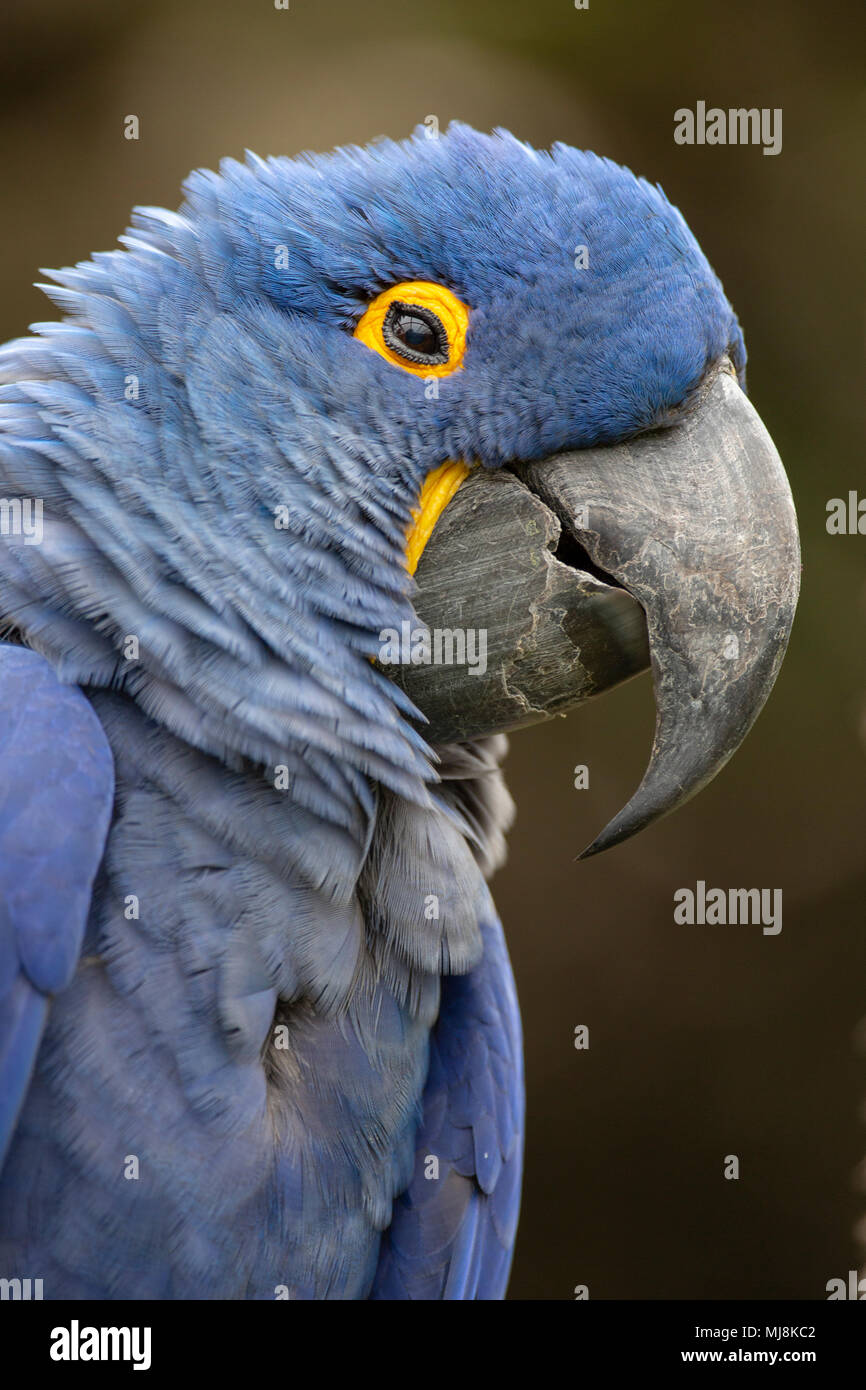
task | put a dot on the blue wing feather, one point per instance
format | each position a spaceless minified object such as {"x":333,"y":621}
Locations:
{"x":452,"y":1235}
{"x":56,"y":794}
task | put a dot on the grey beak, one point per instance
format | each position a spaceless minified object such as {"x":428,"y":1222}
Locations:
{"x":698,"y":524}
{"x":695,"y":523}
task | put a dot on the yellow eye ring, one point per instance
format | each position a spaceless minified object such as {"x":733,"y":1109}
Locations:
{"x":418,"y":326}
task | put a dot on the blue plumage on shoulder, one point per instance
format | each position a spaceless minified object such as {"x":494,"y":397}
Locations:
{"x":57,"y":781}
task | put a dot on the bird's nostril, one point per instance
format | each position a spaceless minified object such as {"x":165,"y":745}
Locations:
{"x":569,"y":551}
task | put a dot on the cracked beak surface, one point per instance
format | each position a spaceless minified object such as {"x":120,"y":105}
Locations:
{"x":679,"y":548}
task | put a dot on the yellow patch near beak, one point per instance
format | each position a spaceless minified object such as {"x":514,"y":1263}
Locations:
{"x":436,"y":492}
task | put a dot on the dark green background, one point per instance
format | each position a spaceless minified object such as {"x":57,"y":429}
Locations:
{"x":705,"y":1041}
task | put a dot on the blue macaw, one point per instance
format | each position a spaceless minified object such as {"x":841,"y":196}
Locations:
{"x":259,"y":1035}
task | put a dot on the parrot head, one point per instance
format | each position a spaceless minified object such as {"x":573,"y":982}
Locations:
{"x":259,"y":416}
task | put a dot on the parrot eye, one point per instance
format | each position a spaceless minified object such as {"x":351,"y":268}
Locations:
{"x":415,"y":333}
{"x":418,"y":326}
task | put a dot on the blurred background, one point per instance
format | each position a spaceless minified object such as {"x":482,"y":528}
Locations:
{"x":704,"y":1041}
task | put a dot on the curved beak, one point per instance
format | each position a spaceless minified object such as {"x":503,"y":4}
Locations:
{"x":691,"y":528}
{"x":698,"y":524}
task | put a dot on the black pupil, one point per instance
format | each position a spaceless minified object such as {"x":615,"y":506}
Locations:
{"x":415,"y":333}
